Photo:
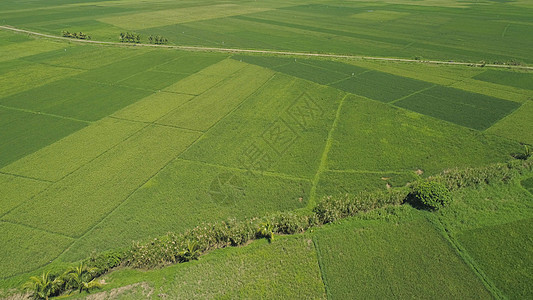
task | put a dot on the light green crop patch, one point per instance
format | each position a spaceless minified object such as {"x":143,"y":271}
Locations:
{"x":31,"y":76}
{"x":516,"y":126}
{"x":16,"y":190}
{"x":153,"y":107}
{"x":86,"y":196}
{"x":24,"y":249}
{"x":207,"y":78}
{"x":205,"y":110}
{"x":179,"y":15}
{"x":18,"y":50}
{"x":72,"y":152}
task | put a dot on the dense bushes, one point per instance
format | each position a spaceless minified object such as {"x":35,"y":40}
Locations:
{"x":493,"y":174}
{"x":331,"y":209}
{"x":431,"y":195}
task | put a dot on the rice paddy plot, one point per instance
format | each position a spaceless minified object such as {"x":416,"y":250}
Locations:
{"x":311,"y":73}
{"x":207,"y":78}
{"x":336,"y":183}
{"x":505,"y":254}
{"x":23,"y":133}
{"x":190,"y":63}
{"x":76,"y":150}
{"x":516,"y":126}
{"x":186,"y":194}
{"x":25,"y":249}
{"x":16,"y":50}
{"x":19,"y":76}
{"x":460,"y":107}
{"x":86,"y":196}
{"x":387,"y":139}
{"x":128,"y":67}
{"x":152,"y":80}
{"x":381,"y":86}
{"x":264,"y":61}
{"x":521,"y":80}
{"x":16,"y":190}
{"x":153,"y":107}
{"x":84,"y":57}
{"x":219,"y":101}
{"x":84,"y":100}
{"x":281,"y":128}
{"x":382,"y":261}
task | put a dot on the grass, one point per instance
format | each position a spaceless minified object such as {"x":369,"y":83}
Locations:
{"x":516,"y":125}
{"x":404,"y":260}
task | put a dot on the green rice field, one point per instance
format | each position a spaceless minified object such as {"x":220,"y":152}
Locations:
{"x":103,"y":145}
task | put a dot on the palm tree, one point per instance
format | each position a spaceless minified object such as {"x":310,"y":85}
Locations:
{"x":81,"y":278}
{"x":191,"y":252}
{"x":44,"y":286}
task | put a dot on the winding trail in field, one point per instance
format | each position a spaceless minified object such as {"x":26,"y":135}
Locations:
{"x":236,"y":50}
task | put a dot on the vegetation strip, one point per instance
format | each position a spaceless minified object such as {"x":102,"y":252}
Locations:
{"x":183,"y":247}
{"x":235,"y":50}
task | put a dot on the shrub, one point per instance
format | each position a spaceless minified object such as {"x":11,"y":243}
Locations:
{"x":431,"y":195}
{"x":105,"y":261}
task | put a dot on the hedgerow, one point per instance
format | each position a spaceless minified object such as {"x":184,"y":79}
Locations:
{"x":182,"y":247}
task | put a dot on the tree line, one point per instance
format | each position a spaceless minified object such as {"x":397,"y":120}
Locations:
{"x":75,"y":35}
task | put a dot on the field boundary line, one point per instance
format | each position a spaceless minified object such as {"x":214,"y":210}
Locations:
{"x":237,"y":50}
{"x":412,"y":94}
{"x":267,"y":173}
{"x":466,"y":258}
{"x":155,"y":124}
{"x":321,"y":266}
{"x":232,"y":110}
{"x":324,"y":157}
{"x":38,"y":228}
{"x":370,"y":172}
{"x":26,"y":177}
{"x":45,"y":114}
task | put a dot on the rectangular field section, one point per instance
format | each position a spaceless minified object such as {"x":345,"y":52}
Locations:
{"x":400,"y":261}
{"x":86,"y":196}
{"x":460,"y":107}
